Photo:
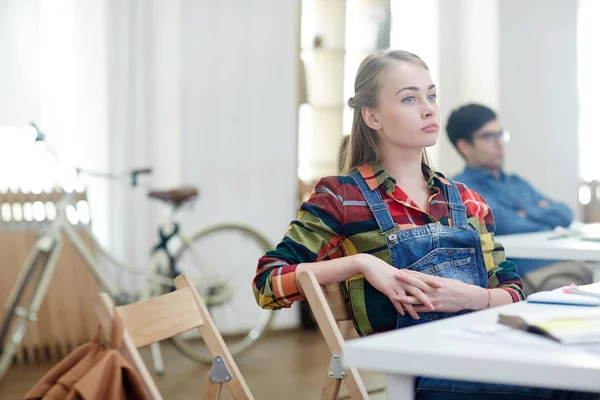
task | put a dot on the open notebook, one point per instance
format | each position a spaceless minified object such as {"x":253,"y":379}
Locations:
{"x":585,"y":232}
{"x":583,"y":295}
{"x":567,"y":327}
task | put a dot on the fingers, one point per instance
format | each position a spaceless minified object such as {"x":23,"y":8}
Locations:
{"x":394,"y":298}
{"x":409,"y":300}
{"x":421,"y":308}
{"x":414,"y":301}
{"x":401,"y":307}
{"x":421,"y":297}
{"x":411,"y":311}
{"x":424,"y":280}
{"x":431,"y":280}
{"x":412,"y":280}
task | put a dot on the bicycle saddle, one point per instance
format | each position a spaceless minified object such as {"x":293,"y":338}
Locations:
{"x":176,"y":196}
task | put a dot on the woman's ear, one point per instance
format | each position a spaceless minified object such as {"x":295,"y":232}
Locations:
{"x":371,"y":119}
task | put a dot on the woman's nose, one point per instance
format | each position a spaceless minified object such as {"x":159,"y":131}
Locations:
{"x":428,"y":111}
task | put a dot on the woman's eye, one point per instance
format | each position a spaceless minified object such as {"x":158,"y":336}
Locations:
{"x":432,"y":97}
{"x":409,"y":100}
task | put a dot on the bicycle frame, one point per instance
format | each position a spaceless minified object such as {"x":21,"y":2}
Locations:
{"x":52,"y":234}
{"x":44,"y":256}
{"x":49,"y":246}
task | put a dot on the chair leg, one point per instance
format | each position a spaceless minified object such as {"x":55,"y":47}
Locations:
{"x":214,"y":341}
{"x":212,"y":390}
{"x":331,"y":387}
{"x":355,"y":386}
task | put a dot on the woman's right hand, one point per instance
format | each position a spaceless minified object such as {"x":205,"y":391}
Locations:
{"x":396,"y":283}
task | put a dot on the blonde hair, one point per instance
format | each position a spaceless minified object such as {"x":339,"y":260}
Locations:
{"x":362,"y":147}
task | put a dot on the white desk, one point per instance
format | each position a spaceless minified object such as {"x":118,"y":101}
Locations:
{"x":538,"y":245}
{"x":430,"y":350}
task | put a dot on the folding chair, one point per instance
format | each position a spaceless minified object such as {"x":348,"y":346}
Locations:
{"x":165,"y":316}
{"x":333,"y":317}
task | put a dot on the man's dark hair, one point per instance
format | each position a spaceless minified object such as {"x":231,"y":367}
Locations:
{"x":466,"y":120}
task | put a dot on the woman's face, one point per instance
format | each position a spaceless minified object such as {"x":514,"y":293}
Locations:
{"x":408,"y":113}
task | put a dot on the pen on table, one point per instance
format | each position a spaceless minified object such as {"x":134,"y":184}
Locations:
{"x":561,"y":236}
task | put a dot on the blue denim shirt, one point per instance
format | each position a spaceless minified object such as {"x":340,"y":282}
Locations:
{"x":507,"y":196}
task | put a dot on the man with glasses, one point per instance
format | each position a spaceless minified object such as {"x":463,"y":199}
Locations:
{"x":479,"y":137}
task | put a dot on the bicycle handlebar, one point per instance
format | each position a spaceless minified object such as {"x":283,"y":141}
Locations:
{"x":39,"y":136}
{"x":132,"y":175}
{"x":136,"y":172}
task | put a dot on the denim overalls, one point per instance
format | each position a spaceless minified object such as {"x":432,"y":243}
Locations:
{"x":452,"y":252}
{"x":447,"y":251}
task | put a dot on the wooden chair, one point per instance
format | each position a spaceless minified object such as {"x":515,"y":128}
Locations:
{"x":165,"y":316}
{"x":333,"y":317}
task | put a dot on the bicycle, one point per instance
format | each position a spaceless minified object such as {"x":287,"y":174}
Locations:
{"x":189,"y":257}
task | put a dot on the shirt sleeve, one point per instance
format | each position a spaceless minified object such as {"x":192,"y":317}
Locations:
{"x":502,"y":273}
{"x":316,"y":235}
{"x":554,"y":214}
{"x":511,"y":222}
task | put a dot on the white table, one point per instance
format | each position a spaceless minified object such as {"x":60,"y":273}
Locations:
{"x":431,"y":350}
{"x":552,"y":246}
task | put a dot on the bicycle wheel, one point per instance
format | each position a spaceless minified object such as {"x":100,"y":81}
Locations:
{"x":221,"y":260}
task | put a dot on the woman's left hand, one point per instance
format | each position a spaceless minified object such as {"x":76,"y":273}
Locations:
{"x":453,"y":296}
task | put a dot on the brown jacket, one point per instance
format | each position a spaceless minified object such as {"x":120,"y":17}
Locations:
{"x":92,"y":372}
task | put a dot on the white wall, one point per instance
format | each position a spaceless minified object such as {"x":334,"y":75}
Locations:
{"x":538,"y":93}
{"x":19,"y":62}
{"x":238,"y":117}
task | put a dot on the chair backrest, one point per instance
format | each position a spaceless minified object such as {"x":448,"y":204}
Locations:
{"x":333,"y":317}
{"x":339,"y":309}
{"x":162,"y":317}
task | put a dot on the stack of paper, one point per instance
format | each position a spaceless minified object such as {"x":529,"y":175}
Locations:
{"x":585,"y":295}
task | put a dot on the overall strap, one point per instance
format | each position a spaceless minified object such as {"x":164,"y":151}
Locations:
{"x":458,"y":211}
{"x":380,"y":210}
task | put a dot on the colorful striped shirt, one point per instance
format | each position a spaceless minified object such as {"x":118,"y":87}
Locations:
{"x":324,"y":231}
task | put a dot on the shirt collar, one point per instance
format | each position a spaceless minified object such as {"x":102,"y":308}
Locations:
{"x":375,"y":176}
{"x":480,"y":173}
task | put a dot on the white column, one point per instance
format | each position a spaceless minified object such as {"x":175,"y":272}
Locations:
{"x":128,"y":134}
{"x":325,"y":80}
{"x":164,"y":102}
{"x":469,"y":66}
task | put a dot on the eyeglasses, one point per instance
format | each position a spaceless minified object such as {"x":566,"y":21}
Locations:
{"x":491,"y":136}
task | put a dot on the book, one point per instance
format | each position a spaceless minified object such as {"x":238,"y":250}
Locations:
{"x":583,"y":295}
{"x":565,"y":298}
{"x":591,"y":290}
{"x":566,"y":327}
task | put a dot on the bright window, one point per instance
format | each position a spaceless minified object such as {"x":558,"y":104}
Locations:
{"x":588,"y":79}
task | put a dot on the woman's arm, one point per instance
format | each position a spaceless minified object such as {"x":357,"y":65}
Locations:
{"x":381,"y":275}
{"x":316,"y":235}
{"x":314,"y":243}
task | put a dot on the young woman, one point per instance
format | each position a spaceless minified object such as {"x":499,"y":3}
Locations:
{"x":410,"y":245}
